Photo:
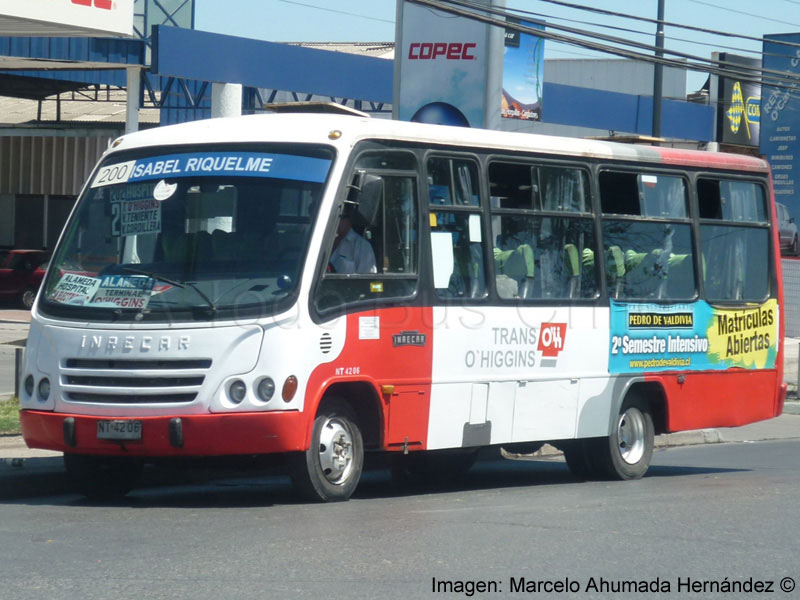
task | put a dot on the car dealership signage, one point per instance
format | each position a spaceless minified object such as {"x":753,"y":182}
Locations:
{"x":67,"y":17}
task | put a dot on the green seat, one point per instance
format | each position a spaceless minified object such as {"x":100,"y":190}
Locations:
{"x":518,"y":265}
{"x":615,"y":270}
{"x":573,"y":270}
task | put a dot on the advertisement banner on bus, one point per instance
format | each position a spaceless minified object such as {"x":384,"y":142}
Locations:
{"x":692,"y":337}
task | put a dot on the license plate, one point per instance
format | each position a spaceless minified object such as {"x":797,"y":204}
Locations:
{"x":119,"y":430}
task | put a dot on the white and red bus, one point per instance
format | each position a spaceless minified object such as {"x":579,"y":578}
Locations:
{"x":517,"y":289}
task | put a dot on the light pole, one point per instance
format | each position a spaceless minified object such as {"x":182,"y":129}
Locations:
{"x":658,"y":72}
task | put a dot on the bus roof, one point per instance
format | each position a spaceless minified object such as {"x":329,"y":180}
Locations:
{"x":316,"y":129}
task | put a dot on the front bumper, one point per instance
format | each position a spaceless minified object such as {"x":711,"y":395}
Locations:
{"x":199,"y":435}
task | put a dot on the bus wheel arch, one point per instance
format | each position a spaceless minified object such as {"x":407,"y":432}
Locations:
{"x":365,"y":403}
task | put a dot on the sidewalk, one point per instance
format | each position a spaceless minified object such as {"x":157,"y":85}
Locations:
{"x":14,"y":315}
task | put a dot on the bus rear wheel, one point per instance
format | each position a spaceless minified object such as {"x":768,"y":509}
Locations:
{"x":626,"y":453}
{"x":330,"y":469}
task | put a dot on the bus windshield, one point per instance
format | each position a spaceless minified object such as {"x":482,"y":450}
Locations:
{"x":189,"y":235}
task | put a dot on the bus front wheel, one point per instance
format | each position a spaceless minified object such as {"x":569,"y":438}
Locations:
{"x":330,"y":469}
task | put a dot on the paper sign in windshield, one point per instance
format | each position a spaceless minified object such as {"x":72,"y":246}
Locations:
{"x":124,"y":291}
{"x":135,"y":217}
{"x":75,"y":289}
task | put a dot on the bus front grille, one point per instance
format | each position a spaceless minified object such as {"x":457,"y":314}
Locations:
{"x":130,"y":381}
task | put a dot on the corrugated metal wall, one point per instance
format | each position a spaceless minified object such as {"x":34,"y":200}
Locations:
{"x":48,"y":164}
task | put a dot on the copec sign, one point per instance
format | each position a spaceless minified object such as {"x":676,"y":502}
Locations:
{"x":448,"y":51}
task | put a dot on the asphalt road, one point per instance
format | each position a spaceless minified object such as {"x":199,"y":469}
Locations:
{"x":708,"y":515}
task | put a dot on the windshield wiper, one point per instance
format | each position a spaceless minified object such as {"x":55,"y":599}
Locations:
{"x":179,"y":284}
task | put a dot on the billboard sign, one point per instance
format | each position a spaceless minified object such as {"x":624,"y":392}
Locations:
{"x":739,"y":103}
{"x":780,"y":131}
{"x":523,"y":75}
{"x":76,"y":17}
{"x":442,"y":68}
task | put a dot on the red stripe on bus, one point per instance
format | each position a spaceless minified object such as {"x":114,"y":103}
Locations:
{"x":401,"y":358}
{"x":719,"y":399}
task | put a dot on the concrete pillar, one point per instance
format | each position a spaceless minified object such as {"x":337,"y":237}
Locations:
{"x":132,"y":104}
{"x":226,"y":99}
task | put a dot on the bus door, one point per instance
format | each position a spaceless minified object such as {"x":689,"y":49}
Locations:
{"x":389,"y":335}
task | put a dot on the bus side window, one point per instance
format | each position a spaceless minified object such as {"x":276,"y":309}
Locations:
{"x":647,"y":237}
{"x":371,"y":261}
{"x":457,"y":250}
{"x":457,"y":245}
{"x":542,"y":231}
{"x":734,"y":234}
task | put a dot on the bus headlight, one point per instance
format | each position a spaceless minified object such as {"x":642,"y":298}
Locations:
{"x":266,"y":388}
{"x":44,"y":389}
{"x":237,"y":391}
{"x":29,"y":385}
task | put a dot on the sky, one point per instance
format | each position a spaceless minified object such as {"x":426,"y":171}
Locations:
{"x":373,"y":21}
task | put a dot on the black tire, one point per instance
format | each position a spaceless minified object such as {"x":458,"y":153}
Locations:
{"x":626,"y":453}
{"x":794,"y":249}
{"x":330,"y":469}
{"x":27,"y":297}
{"x":100,"y":477}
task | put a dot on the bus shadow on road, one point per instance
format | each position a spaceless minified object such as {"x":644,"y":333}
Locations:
{"x":165,"y":488}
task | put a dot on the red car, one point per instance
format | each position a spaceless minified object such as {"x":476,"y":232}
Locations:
{"x":20,"y":275}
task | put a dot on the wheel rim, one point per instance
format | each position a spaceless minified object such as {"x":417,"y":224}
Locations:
{"x":27,"y":298}
{"x":336,"y":450}
{"x":631,"y":435}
